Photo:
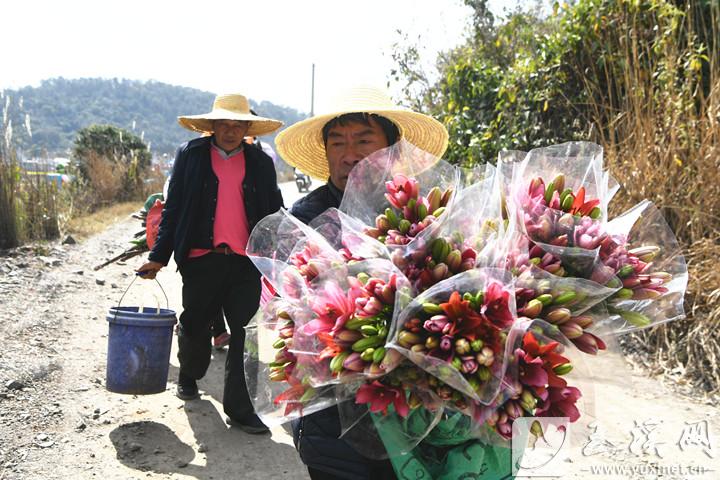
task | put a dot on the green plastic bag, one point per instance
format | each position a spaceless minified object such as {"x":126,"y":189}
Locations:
{"x":450,"y":451}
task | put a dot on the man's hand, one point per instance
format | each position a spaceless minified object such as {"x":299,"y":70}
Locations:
{"x":149,"y":270}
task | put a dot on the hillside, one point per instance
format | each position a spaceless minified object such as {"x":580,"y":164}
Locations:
{"x":46,"y":118}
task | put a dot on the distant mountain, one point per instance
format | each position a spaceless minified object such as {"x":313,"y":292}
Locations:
{"x":45,"y":119}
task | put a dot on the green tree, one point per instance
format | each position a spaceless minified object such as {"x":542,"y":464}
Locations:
{"x":112,"y":161}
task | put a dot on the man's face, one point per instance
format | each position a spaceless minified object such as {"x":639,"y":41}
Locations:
{"x":229,"y":134}
{"x":348,"y":144}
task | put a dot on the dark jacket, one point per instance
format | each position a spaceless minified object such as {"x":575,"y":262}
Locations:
{"x":316,"y":202}
{"x":189,"y":213}
{"x":316,"y":436}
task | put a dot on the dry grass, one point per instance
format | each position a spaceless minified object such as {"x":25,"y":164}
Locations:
{"x":9,"y":235}
{"x":664,"y":144}
{"x":90,"y":224}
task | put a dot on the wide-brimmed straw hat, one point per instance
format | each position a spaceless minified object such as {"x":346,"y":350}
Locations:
{"x":231,"y":106}
{"x":301,"y":145}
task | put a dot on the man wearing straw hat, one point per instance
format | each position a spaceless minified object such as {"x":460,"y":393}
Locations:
{"x":327,"y":147}
{"x":219,"y":189}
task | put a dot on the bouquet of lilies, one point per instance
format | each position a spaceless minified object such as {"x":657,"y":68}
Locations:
{"x":427,"y":298}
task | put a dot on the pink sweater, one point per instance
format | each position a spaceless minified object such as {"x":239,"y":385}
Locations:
{"x":230,"y":225}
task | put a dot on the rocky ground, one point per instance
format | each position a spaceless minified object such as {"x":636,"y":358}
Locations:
{"x":57,"y":420}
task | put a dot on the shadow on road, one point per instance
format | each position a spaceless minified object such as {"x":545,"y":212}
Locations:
{"x":150,"y":446}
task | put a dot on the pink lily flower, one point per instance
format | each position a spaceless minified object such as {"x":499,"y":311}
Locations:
{"x":333,"y":308}
{"x":380,"y":396}
{"x":400,"y":190}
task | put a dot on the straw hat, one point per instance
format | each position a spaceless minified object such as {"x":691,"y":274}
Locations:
{"x":301,"y":144}
{"x":231,"y":106}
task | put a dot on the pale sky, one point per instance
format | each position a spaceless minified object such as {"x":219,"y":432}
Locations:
{"x":264,"y":49}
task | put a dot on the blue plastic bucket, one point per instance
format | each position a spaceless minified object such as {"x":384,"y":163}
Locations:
{"x":139,"y":343}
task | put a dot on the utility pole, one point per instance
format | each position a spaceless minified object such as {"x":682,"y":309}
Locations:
{"x":312,"y":92}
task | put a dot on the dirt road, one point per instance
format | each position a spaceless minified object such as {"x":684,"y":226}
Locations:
{"x":58,"y":421}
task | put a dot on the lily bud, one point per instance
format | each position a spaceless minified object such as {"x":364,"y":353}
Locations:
{"x":277,"y":375}
{"x":483,"y":373}
{"x":456,"y":363}
{"x":587,"y":241}
{"x":346,"y":335}
{"x":625,"y":270}
{"x":445,"y":199}
{"x":372,"y":232}
{"x":635,"y":318}
{"x":571,"y":330}
{"x":454,"y":260}
{"x":558,"y":316}
{"x":382,"y":223}
{"x":563,"y":369}
{"x":486,"y":357}
{"x":413,"y":401}
{"x":645,"y":294}
{"x":532,"y":309}
{"x":422,"y":211}
{"x":565,"y":298}
{"x":624,"y":294}
{"x":431,"y":308}
{"x":645,"y":254}
{"x":439,"y":272}
{"x":467,"y":264}
{"x":404,"y":226}
{"x":561,"y":241}
{"x":469,"y":366}
{"x":566,"y":221}
{"x":373,"y":306}
{"x":408,"y":339}
{"x":286,"y":332}
{"x":444,"y":392}
{"x":585,"y":321}
{"x":664,"y":276}
{"x":567,"y":202}
{"x":513,"y":410}
{"x":418,"y":348}
{"x":504,"y":428}
{"x":432,"y":343}
{"x":391,"y":360}
{"x":476,"y":345}
{"x":354,"y":362}
{"x":436,"y":323}
{"x":527,"y":401}
{"x":546,"y":299}
{"x":587,"y":343}
{"x":544,"y":228}
{"x":462,"y":346}
{"x":553,"y":268}
{"x":367,"y":355}
{"x":433,"y":198}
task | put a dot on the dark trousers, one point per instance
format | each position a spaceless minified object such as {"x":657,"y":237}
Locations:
{"x":213,"y":283}
{"x":217,"y":324}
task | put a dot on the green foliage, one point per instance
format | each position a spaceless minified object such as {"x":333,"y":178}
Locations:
{"x":59,"y":107}
{"x":536,"y":80}
{"x":111,"y":161}
{"x":113,"y":142}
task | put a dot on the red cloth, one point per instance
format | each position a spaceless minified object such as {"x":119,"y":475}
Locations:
{"x":230,"y":225}
{"x":152,"y":223}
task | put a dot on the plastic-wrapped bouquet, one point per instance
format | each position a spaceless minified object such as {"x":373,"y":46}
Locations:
{"x":446,"y":309}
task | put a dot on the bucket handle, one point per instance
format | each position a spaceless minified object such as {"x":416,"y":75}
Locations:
{"x":167,"y":302}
